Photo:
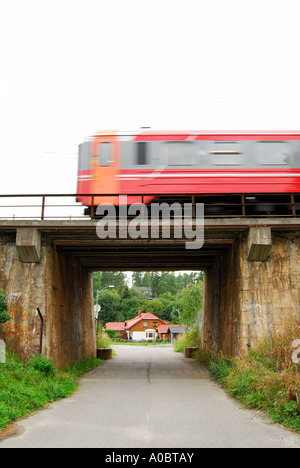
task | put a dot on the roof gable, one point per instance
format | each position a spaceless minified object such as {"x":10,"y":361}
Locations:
{"x":118,"y":326}
{"x":144,"y":316}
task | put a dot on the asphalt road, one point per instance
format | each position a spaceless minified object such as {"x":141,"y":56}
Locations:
{"x":149,"y":397}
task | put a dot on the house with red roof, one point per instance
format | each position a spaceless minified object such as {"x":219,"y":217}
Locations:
{"x":144,"y":327}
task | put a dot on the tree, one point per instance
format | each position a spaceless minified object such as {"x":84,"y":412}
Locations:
{"x":155,"y":307}
{"x":126,"y":292}
{"x":103,"y":279}
{"x":130,"y":307}
{"x":168,"y":301}
{"x":189,"y":303}
{"x":167,"y":284}
{"x":4,"y":317}
{"x":187,"y":279}
{"x":155,"y":279}
{"x":110,"y":302}
{"x":113,"y":278}
{"x":137,"y":279}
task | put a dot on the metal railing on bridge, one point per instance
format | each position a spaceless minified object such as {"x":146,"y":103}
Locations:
{"x":67,"y":207}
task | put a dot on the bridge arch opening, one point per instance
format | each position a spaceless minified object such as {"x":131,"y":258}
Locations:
{"x":142,"y":306}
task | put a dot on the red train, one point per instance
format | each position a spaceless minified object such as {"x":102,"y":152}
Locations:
{"x":223,"y":170}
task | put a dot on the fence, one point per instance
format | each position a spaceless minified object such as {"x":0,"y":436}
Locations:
{"x":67,"y":206}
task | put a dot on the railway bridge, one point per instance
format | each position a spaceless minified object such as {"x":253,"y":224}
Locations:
{"x":252,"y":278}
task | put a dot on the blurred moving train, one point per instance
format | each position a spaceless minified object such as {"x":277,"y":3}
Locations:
{"x":225,"y":171}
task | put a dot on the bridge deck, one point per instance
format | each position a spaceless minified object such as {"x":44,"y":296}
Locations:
{"x":79,"y":239}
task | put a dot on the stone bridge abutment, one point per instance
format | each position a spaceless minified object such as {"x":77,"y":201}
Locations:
{"x":60,"y":287}
{"x":252,"y":281}
{"x":248,"y":294}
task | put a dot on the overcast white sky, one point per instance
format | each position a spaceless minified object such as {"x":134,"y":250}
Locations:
{"x":69,"y":68}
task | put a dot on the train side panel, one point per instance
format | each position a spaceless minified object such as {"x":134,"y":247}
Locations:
{"x":172,"y":164}
{"x":206,"y":167}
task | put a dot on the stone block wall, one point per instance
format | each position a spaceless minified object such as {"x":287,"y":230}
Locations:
{"x":61,"y":289}
{"x":255,"y":296}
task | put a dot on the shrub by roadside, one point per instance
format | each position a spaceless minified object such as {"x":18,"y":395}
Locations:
{"x":270,"y":385}
{"x":190,"y":339}
{"x":103,"y":339}
{"x":27,"y":386}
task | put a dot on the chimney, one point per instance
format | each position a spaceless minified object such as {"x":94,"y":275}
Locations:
{"x":140,"y":313}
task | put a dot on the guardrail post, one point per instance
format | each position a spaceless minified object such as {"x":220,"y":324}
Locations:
{"x":243,"y":206}
{"x":193,"y":208}
{"x":43,"y":208}
{"x":293,"y":204}
{"x":92,"y":208}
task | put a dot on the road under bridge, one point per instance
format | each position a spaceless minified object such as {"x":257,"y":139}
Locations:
{"x":252,"y":279}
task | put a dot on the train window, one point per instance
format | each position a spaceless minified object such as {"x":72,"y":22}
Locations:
{"x":84,"y":153}
{"x":80,"y":157}
{"x":142,"y":153}
{"x":105,"y":154}
{"x":273,"y":153}
{"x":225,"y":153}
{"x":178,"y":153}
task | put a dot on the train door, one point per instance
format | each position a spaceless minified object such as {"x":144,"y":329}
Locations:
{"x":105,"y":169}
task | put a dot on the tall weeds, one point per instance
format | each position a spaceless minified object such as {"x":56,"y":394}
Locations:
{"x":190,"y":339}
{"x":270,"y":385}
{"x":103,"y":340}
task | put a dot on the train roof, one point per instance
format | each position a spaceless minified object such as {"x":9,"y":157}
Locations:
{"x":203,"y":134}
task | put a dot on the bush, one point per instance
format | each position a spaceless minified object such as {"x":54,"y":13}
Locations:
{"x":103,"y":340}
{"x":190,"y":339}
{"x":4,"y":317}
{"x":43,"y":365}
{"x":112,"y":334}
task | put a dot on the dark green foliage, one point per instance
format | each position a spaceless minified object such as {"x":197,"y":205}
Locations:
{"x":130,"y":307}
{"x":112,"y":334}
{"x":4,"y":317}
{"x":110,"y":302}
{"x":43,"y":365}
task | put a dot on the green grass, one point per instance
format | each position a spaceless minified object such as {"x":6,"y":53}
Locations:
{"x":259,"y":382}
{"x":28,"y":386}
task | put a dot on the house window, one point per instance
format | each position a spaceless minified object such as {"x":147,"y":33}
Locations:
{"x":150,"y":335}
{"x":145,"y":324}
{"x":154,"y":324}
